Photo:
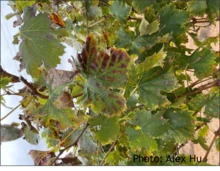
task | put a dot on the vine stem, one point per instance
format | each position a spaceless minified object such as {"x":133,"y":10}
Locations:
{"x":217,"y":133}
{"x":3,"y":73}
{"x":110,"y":149}
{"x":73,"y":144}
{"x":32,"y":89}
{"x":10,"y":112}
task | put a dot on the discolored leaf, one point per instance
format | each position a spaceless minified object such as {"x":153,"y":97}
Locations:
{"x":41,"y":158}
{"x":37,"y":47}
{"x":120,"y":10}
{"x":101,"y":68}
{"x":105,"y":129}
{"x":113,"y":104}
{"x":57,"y":19}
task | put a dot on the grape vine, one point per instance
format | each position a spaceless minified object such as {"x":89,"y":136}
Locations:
{"x":130,"y":92}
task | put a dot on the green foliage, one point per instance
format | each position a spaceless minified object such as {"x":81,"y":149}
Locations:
{"x":10,"y":132}
{"x":106,"y":129}
{"x":130,"y":91}
{"x":38,"y":42}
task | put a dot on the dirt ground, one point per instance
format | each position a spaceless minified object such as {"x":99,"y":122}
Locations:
{"x":196,"y":149}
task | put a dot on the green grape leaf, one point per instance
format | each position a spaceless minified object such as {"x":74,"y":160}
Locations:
{"x":153,"y":125}
{"x":172,"y":20}
{"x":20,"y":5}
{"x":113,"y":158}
{"x":210,"y":101}
{"x":150,"y":85}
{"x":146,"y":28}
{"x":4,"y":82}
{"x":123,"y":38}
{"x":213,"y":9}
{"x":105,"y":129}
{"x":101,"y":68}
{"x":203,"y":132}
{"x":38,"y":44}
{"x":30,"y":134}
{"x":10,"y":132}
{"x":138,"y":139}
{"x":86,"y":144}
{"x":141,"y":5}
{"x":120,"y":11}
{"x":71,"y":138}
{"x":143,"y":43}
{"x":201,"y":140}
{"x":94,"y":11}
{"x":50,"y":112}
{"x":197,"y":7}
{"x":181,"y":124}
{"x":200,"y":60}
{"x":154,"y":60}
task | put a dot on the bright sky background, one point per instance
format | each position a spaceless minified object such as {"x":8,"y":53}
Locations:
{"x":16,"y":152}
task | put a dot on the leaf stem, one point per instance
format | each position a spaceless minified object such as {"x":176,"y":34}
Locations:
{"x":3,"y":73}
{"x":10,"y":112}
{"x":97,"y":22}
{"x":32,"y":89}
{"x":217,"y":133}
{"x":110,"y":149}
{"x":73,"y":144}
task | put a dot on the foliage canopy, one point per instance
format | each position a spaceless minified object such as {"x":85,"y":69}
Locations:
{"x":130,"y":91}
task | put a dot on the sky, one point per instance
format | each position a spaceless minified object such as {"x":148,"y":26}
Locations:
{"x":16,"y":152}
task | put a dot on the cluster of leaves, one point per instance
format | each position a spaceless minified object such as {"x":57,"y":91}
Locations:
{"x":131,"y":92}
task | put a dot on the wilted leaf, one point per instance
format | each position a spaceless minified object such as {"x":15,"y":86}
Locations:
{"x":41,"y":158}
